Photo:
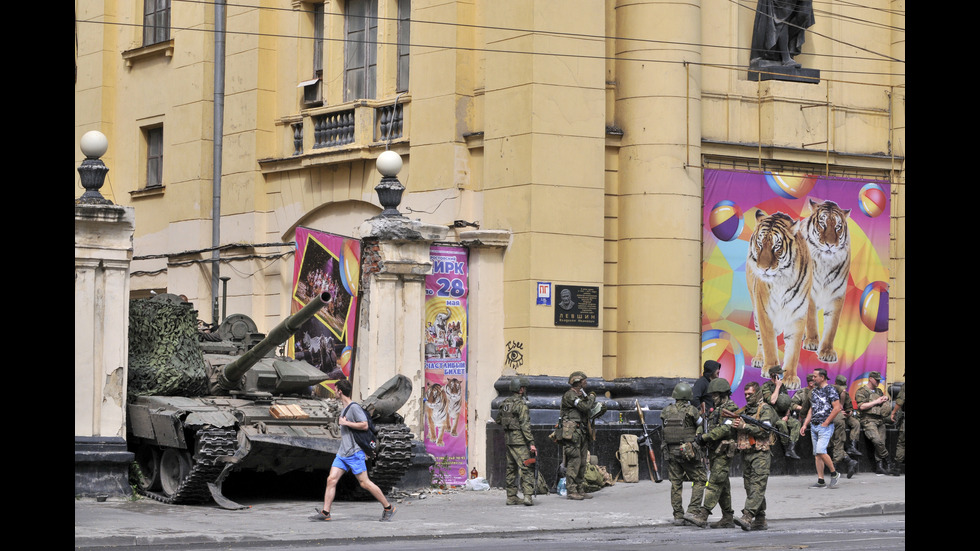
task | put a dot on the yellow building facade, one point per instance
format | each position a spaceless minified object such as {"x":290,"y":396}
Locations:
{"x":583,"y":127}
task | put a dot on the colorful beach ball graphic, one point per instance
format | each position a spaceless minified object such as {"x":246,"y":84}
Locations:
{"x":874,"y":306}
{"x":350,"y":268}
{"x":721,"y":347}
{"x":790,"y":187}
{"x":345,"y":360}
{"x":872,"y":200}
{"x":726,"y":220}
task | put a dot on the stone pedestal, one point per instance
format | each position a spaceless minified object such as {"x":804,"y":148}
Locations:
{"x":103,"y":252}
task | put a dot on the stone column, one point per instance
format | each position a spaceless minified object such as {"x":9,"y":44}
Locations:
{"x":659,"y":232}
{"x":391,"y":321}
{"x":103,"y":251}
{"x":485,"y":346}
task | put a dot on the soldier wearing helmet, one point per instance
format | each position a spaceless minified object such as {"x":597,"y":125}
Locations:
{"x":513,"y":416}
{"x":720,"y":442}
{"x":680,"y":421}
{"x":575,"y":433}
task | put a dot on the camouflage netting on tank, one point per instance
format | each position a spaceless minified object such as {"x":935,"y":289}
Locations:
{"x":164,"y":356}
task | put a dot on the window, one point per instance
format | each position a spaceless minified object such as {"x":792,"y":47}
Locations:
{"x":361,"y":50}
{"x":404,"y":36}
{"x":154,"y":156}
{"x":318,"y":40}
{"x":156,"y":21}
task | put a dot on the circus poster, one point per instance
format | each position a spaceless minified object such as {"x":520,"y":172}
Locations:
{"x":446,"y":337}
{"x":326,"y":263}
{"x":842,"y":252}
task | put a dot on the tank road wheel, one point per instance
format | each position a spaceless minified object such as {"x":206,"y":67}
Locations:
{"x":148,"y":459}
{"x":175,"y":465}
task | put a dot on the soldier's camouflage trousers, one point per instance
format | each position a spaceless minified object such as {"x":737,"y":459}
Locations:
{"x":755,"y":476}
{"x":576,"y":454}
{"x":719,"y":488}
{"x":679,"y":471}
{"x":516,"y":471}
{"x":900,"y":450}
{"x":791,"y":427}
{"x":874,"y":429}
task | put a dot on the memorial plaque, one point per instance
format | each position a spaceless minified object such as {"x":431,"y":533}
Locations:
{"x":576,"y":306}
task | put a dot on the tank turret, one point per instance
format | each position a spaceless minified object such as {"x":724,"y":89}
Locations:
{"x":273,"y":376}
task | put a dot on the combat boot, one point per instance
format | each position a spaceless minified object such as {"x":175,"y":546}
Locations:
{"x":852,"y":467}
{"x":586,"y":495}
{"x":791,"y":452}
{"x":528,"y":500}
{"x":679,"y":521}
{"x":759,"y":523}
{"x":852,"y":449}
{"x":896,"y":469}
{"x":576,"y":496}
{"x":727,"y":520}
{"x":745,"y":521}
{"x":698,"y":518}
{"x":880,"y":467}
{"x":513,"y":500}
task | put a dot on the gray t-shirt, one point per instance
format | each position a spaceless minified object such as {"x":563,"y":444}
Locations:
{"x":354,"y":414}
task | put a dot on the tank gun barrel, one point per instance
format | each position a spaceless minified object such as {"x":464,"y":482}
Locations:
{"x":233,"y":372}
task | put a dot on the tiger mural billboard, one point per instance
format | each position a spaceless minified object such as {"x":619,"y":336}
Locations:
{"x":795,"y":274}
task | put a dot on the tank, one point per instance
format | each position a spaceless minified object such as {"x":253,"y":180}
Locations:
{"x":241,"y":407}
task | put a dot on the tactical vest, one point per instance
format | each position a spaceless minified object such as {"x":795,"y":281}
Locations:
{"x":507,"y":417}
{"x":678,"y":426}
{"x":745,"y":441}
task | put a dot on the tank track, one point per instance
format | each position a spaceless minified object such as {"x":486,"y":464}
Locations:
{"x":392,"y":462}
{"x":212,"y":444}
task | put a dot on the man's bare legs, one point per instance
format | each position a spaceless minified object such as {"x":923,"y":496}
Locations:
{"x":336,"y":473}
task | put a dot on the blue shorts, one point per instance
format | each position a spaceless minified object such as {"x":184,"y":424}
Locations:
{"x":821,"y":438}
{"x":353,"y":463}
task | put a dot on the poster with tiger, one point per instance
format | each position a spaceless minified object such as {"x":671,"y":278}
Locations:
{"x":795,"y":272}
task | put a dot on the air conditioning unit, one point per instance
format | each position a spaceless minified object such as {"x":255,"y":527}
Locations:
{"x":312,"y":92}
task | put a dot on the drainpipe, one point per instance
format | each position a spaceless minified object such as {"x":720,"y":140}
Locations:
{"x":219,"y":118}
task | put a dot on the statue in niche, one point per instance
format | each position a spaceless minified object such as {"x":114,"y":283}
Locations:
{"x":778,"y":32}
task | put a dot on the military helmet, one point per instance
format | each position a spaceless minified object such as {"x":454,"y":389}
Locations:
{"x":576,"y":377}
{"x":783,"y":402}
{"x":682,"y":391}
{"x":840,"y":380}
{"x":719,"y":385}
{"x":516,"y":383}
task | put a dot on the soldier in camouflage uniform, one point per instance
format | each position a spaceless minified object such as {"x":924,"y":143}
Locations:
{"x":681,"y":421}
{"x":576,"y":434}
{"x":776,"y":395}
{"x":900,"y":450}
{"x":873,"y":404}
{"x":848,"y":416}
{"x":754,"y":443}
{"x":839,"y":454}
{"x":799,"y":405}
{"x":514,"y":417}
{"x":721,"y":448}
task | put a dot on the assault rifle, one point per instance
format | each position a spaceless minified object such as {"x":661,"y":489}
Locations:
{"x":753,"y":421}
{"x":648,"y":442}
{"x":533,"y":460}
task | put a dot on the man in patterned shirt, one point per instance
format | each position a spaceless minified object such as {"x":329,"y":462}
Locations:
{"x":824,"y":406}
